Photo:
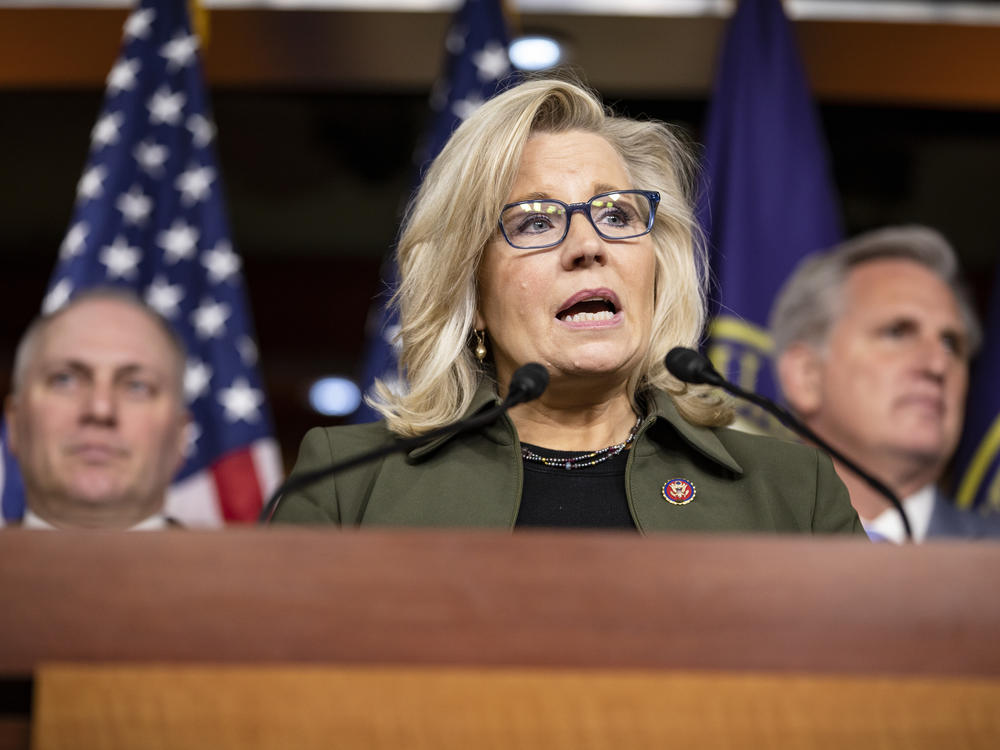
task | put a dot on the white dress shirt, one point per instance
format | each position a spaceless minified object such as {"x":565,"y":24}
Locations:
{"x":888,"y":526}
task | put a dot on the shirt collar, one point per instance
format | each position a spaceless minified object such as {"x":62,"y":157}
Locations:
{"x":156,"y":522}
{"x":919,"y":508}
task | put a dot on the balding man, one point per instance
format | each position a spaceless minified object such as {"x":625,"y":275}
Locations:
{"x":872,"y":345}
{"x":97,"y":418}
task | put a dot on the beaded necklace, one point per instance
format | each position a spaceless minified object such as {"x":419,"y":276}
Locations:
{"x":585,"y":459}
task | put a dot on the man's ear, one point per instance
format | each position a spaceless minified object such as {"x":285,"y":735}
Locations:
{"x":800,"y":370}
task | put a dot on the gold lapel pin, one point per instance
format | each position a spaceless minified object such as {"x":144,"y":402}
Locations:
{"x":679,"y":491}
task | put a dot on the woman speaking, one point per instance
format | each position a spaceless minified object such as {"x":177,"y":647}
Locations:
{"x":551,"y":231}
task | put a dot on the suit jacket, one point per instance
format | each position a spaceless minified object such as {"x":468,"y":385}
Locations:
{"x":738,"y":482}
{"x":949,"y":521}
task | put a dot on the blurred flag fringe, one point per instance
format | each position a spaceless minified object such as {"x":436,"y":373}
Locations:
{"x":978,"y":458}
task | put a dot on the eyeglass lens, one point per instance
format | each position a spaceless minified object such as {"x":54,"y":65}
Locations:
{"x":532,"y":224}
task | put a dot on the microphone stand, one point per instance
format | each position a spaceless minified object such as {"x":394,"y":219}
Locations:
{"x":527,"y":383}
{"x":685,"y":367}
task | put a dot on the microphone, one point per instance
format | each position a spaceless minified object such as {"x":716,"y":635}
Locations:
{"x":526,"y":384}
{"x":690,"y":366}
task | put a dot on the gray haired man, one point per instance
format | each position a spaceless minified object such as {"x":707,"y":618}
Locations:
{"x":872,"y":345}
{"x":97,"y":418}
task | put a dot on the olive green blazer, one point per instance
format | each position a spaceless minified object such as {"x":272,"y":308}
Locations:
{"x":738,"y":482}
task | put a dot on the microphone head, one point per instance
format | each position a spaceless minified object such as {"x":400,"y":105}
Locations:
{"x":690,"y":366}
{"x":528,"y":382}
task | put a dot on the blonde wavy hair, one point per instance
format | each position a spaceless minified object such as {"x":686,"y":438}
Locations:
{"x":454,"y":215}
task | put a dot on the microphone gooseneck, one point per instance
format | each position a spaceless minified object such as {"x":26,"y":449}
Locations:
{"x":528,"y":382}
{"x":690,"y":366}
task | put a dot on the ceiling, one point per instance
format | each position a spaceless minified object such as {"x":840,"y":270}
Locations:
{"x":635,"y":53}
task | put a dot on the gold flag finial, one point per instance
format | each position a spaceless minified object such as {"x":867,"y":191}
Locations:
{"x":199,"y":20}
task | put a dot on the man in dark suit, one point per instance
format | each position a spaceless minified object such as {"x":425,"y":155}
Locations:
{"x":872,"y":345}
{"x":97,"y":417}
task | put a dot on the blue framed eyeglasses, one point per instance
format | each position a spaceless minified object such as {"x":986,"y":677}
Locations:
{"x":615,"y":215}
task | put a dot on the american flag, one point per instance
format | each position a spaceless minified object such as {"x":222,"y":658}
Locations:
{"x":477,"y":67}
{"x":149,"y":216}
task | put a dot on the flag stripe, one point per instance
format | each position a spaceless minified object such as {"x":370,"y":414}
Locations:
{"x":267,"y":464}
{"x":236,"y":479}
{"x":194,"y":501}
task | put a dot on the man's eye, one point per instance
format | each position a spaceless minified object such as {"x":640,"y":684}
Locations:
{"x":954,"y":343}
{"x":62,"y":379}
{"x":140,"y":388}
{"x":898,"y":330}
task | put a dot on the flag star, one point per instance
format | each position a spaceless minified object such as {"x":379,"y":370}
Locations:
{"x":151,"y":157}
{"x":166,"y":107}
{"x":196,"y":378}
{"x":164,"y":297}
{"x":221,"y":262}
{"x":202,"y":129}
{"x":91,"y":184}
{"x":180,"y":50}
{"x":105,"y":132}
{"x":463,"y":108}
{"x":179,"y":241}
{"x":193,"y":433}
{"x":72,"y":244}
{"x":492,"y":62}
{"x":138,"y":23}
{"x":120,"y":259}
{"x":248,"y":350}
{"x":58,"y":296}
{"x":195,"y":184}
{"x":135,"y":206}
{"x":122,"y":75}
{"x":210,"y":318}
{"x":241,"y":401}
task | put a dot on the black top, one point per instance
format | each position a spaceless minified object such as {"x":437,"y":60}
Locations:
{"x":584,"y":497}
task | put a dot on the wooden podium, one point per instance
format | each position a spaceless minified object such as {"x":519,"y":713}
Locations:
{"x":302,"y":638}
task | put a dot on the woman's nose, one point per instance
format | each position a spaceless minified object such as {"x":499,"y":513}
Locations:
{"x":582,"y":246}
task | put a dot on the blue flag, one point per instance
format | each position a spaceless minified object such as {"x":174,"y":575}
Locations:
{"x":11,"y":487}
{"x":978,"y":458}
{"x":149,"y":217}
{"x":769,"y":197}
{"x":477,"y":67}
